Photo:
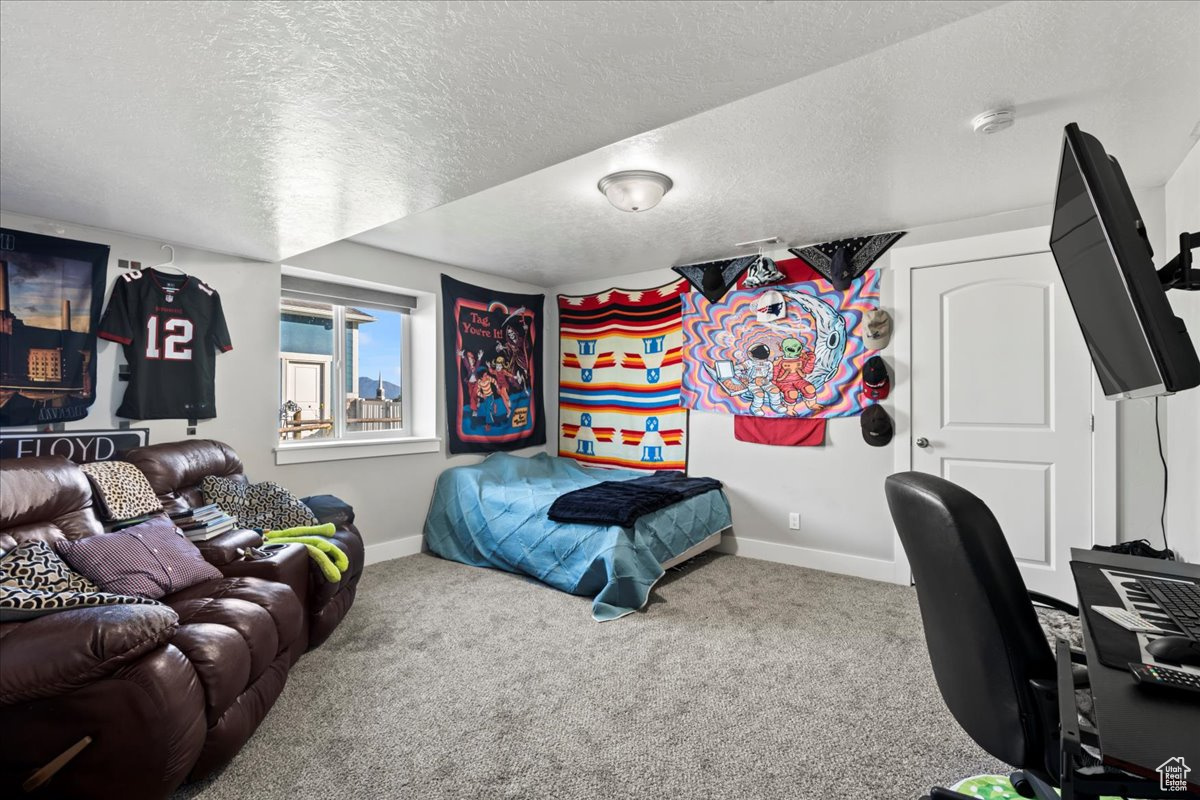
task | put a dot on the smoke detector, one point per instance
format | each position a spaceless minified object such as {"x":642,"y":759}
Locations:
{"x":994,"y":121}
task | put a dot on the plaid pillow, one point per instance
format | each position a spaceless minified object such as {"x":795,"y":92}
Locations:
{"x":151,"y":559}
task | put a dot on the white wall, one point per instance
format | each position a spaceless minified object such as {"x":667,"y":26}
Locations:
{"x":838,"y":489}
{"x":1182,"y":412}
{"x":390,"y":494}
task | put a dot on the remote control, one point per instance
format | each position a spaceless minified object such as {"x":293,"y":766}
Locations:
{"x":1154,"y":675}
{"x":1128,"y":620}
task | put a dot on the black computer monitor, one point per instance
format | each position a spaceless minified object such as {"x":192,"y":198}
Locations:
{"x":1138,"y":346}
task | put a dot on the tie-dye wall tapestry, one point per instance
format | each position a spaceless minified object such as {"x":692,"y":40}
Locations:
{"x":619,"y":378}
{"x":789,"y":350}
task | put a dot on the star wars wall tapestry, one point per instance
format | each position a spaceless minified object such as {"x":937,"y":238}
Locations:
{"x":621,"y":363}
{"x":493,"y":359}
{"x":787,"y":350}
{"x":51,"y":295}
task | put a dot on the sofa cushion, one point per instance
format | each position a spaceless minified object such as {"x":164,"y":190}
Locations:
{"x":257,"y":630}
{"x":57,"y":654}
{"x":121,"y":490}
{"x":262,"y":506}
{"x":221,"y":660}
{"x":151,"y":559}
{"x":175,"y":469}
{"x":44,"y":498}
{"x":277,"y":599}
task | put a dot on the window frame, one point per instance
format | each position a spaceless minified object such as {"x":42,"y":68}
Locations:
{"x":341,"y":434}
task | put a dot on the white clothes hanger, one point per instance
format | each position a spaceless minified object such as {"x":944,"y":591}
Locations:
{"x":169,"y":264}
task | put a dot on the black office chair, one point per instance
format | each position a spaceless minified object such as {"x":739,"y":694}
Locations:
{"x":992,"y":663}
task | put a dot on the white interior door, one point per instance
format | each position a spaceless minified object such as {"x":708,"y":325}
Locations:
{"x":1002,"y":404}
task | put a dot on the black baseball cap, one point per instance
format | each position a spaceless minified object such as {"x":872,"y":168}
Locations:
{"x":876,"y":426}
{"x":876,"y":384}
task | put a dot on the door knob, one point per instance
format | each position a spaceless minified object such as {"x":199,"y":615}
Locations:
{"x":922,"y":442}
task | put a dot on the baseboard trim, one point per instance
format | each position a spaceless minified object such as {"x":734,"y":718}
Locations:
{"x":394,"y":548}
{"x":875,"y":569}
{"x":859,"y":566}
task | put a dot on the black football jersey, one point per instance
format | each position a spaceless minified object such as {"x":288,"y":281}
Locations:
{"x":172,"y":327}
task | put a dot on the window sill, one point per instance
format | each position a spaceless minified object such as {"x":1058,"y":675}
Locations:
{"x":342,"y":450}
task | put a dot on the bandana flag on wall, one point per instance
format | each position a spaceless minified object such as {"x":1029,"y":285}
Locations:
{"x":792,"y":351}
{"x":493,"y":359}
{"x":619,"y":378}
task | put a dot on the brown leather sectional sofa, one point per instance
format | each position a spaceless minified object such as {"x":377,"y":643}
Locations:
{"x":166,"y":694}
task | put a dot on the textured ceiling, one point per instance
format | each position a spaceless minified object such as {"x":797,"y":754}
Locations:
{"x":270,"y":128}
{"x":880,"y":143}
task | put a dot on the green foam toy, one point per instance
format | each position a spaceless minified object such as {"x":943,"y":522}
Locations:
{"x":328,"y":556}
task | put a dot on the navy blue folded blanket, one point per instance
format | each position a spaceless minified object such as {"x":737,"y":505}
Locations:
{"x":622,"y":502}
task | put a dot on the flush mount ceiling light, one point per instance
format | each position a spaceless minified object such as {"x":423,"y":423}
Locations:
{"x":635,"y":189}
{"x":994,"y":121}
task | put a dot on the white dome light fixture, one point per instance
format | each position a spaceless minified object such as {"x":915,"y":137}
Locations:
{"x":635,"y":189}
{"x":994,"y":121}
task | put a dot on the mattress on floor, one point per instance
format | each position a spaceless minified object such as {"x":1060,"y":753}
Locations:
{"x":494,"y":514}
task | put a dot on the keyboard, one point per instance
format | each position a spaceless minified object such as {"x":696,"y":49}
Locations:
{"x":1180,"y":601}
{"x":1165,"y":677}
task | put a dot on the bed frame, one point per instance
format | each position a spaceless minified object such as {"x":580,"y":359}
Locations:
{"x":696,"y":549}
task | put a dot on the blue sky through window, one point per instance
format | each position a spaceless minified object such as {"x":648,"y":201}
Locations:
{"x":379,"y":346}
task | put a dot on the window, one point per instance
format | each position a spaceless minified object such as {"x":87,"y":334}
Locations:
{"x":344,"y":371}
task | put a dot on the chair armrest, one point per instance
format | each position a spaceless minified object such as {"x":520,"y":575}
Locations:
{"x":226,"y":548}
{"x":330,"y":509}
{"x":1053,"y":602}
{"x":61,"y":652}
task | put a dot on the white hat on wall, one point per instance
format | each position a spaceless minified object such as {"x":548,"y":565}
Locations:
{"x":877,"y":329}
{"x":770,"y":306}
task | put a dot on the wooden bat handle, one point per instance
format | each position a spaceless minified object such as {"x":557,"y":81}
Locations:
{"x":47,"y":772}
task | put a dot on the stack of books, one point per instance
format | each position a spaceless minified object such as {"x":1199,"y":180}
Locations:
{"x":203,"y":523}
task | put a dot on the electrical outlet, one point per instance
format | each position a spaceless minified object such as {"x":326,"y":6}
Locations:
{"x":794,"y":521}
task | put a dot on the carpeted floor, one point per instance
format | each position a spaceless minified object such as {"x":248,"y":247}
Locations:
{"x":741,"y":679}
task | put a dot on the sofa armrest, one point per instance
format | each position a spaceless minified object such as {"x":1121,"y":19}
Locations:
{"x":226,"y":548}
{"x":330,"y":509}
{"x":61,"y":652}
{"x":287,"y":564}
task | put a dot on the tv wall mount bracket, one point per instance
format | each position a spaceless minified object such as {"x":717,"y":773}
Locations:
{"x":1179,"y":272}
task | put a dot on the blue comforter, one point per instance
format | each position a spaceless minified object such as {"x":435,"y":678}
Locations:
{"x":493,"y":514}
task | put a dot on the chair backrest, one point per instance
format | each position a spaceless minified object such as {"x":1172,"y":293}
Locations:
{"x":982,"y":632}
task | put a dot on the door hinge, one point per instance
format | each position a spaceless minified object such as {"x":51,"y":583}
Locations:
{"x":1093,"y":423}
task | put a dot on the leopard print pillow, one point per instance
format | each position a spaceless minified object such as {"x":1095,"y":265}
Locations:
{"x":261,"y":506}
{"x":122,"y":490}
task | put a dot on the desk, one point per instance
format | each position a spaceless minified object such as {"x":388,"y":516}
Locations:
{"x":1138,"y":728}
